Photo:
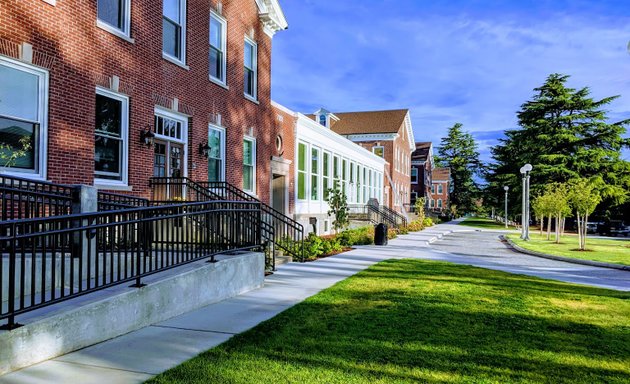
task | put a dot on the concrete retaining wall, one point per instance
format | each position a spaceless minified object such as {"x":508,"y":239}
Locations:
{"x":78,"y":323}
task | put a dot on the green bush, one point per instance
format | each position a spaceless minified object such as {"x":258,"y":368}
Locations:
{"x":427,"y":222}
{"x":415,"y":226}
{"x":313,"y":247}
{"x":331,"y":245}
{"x":357,"y":236}
{"x":392,"y":233}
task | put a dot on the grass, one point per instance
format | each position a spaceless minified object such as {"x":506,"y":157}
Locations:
{"x":604,"y":250}
{"x":485,"y":223}
{"x":410,"y":321}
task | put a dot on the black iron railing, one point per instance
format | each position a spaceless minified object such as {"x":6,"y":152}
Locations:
{"x":169,"y":190}
{"x":53,"y":259}
{"x":108,"y":201}
{"x":400,"y":220}
{"x":287,"y":234}
{"x":377,"y":214}
{"x":24,"y":199}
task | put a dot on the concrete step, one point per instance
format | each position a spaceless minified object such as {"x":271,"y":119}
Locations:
{"x":283,"y":259}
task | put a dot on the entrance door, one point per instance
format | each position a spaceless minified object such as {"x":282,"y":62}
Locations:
{"x":168,"y":161}
{"x":278,"y":193}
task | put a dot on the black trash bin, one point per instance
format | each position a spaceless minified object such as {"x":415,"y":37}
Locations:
{"x":380,"y":234}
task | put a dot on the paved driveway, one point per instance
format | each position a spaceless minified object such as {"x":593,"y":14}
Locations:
{"x":484,"y":249}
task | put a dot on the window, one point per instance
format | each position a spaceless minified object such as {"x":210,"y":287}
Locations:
{"x":414,"y":196}
{"x":344,"y":176}
{"x":433,"y":188}
{"x":336,"y":172}
{"x":170,"y":148}
{"x":414,"y":175}
{"x":217,"y":48}
{"x":365,"y":186}
{"x":431,"y":203}
{"x":110,"y":137}
{"x":314,"y":174}
{"x":301,"y":171}
{"x":440,"y":189}
{"x":23,"y":119}
{"x":251,"y":69}
{"x":439,"y":203}
{"x":168,"y":127}
{"x":174,"y":29}
{"x":326,"y":174}
{"x":322,"y":120}
{"x":249,"y":165}
{"x":378,"y":151}
{"x":114,"y":16}
{"x":216,"y":154}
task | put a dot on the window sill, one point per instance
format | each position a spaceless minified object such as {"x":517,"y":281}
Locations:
{"x":112,"y":187}
{"x":248,"y":97}
{"x":24,"y":175}
{"x":219,"y":83}
{"x":175,"y":61}
{"x":114,"y":31}
{"x":51,"y":2}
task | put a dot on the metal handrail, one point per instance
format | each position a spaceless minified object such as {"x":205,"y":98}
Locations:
{"x":108,"y":201}
{"x":54,"y":259}
{"x":22,"y":198}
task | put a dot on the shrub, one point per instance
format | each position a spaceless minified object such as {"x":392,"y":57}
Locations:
{"x":357,"y":236}
{"x":392,"y":233}
{"x":403,"y":230}
{"x":313,"y":247}
{"x":415,"y":226}
{"x":427,"y":222}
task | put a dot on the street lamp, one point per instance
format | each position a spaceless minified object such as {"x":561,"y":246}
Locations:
{"x":506,"y":188}
{"x":525,"y":217}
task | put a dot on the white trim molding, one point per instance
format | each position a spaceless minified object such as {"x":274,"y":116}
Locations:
{"x":372,"y":137}
{"x":272,"y":16}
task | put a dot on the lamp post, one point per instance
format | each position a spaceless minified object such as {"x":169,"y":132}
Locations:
{"x":506,"y":188}
{"x":525,"y":217}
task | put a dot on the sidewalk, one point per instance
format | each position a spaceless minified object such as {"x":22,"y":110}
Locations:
{"x":139,"y":355}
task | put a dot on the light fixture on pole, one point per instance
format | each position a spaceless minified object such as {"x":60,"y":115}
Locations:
{"x":525,"y":217}
{"x":506,"y":188}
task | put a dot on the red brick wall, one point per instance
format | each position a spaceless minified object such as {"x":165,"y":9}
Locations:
{"x":85,"y":55}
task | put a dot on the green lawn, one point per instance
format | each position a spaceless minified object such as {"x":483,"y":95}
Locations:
{"x":410,"y":321}
{"x":609,"y":251}
{"x":482,"y":222}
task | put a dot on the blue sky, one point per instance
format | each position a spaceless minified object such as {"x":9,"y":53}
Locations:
{"x":473,"y":62}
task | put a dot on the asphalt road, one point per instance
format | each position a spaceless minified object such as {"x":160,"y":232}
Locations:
{"x":485,"y":249}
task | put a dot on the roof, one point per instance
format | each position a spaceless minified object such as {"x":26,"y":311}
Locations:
{"x":441,"y":174}
{"x":370,"y":121}
{"x":422,"y":152}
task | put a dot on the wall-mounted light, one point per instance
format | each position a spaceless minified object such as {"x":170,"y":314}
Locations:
{"x":204,"y":150}
{"x":147,"y":137}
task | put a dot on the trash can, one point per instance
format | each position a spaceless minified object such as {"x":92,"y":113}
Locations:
{"x":380,"y":234}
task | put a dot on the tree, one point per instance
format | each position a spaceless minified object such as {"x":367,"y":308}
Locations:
{"x":565,"y":135}
{"x":458,"y":152}
{"x":419,"y":208}
{"x":9,"y":154}
{"x":338,"y":204}
{"x":584,"y":199}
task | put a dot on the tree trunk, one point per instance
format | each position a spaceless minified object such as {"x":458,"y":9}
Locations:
{"x":584,"y":229}
{"x":564,"y":219}
{"x":579,"y":223}
{"x":557,"y":228}
{"x":542,"y":225}
{"x":549,"y":227}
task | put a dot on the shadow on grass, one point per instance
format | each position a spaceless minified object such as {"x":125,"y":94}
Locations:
{"x":411,"y":321}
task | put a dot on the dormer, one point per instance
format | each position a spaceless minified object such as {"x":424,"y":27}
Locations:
{"x":325,"y":118}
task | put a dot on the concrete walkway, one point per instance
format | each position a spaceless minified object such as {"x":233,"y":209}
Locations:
{"x":139,"y":355}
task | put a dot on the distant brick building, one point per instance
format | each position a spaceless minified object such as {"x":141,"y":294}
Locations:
{"x":388,"y":134}
{"x":421,"y":172}
{"x":112,"y":92}
{"x":440,"y":185}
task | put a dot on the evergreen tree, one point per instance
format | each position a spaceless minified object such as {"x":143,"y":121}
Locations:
{"x":565,"y":135}
{"x":458,"y":152}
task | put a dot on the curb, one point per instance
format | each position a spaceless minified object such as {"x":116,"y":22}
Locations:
{"x":565,"y":259}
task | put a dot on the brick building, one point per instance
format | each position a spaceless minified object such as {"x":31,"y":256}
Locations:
{"x":112,"y":92}
{"x":388,"y":134}
{"x":421,"y":171}
{"x":440,"y":184}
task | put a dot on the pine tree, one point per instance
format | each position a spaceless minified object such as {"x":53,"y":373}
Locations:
{"x":458,"y":152}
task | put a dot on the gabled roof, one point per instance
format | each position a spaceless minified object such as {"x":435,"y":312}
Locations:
{"x":441,"y":174}
{"x":370,"y":121}
{"x":422,"y":152}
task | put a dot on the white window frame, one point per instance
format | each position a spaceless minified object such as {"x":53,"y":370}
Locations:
{"x":328,"y":170}
{"x":412,"y":176}
{"x":317,"y":173}
{"x":439,"y":203}
{"x":223,"y":22}
{"x":42,"y":113}
{"x":163,"y":112}
{"x":125,"y":32}
{"x":374,"y":148}
{"x":254,"y":45}
{"x":213,"y":127}
{"x":182,"y":14}
{"x":124,"y":134}
{"x":306,"y":170}
{"x":253,"y":141}
{"x":440,"y":189}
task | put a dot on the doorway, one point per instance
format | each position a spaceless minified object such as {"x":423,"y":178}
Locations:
{"x":168,"y":161}
{"x":278,"y":193}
